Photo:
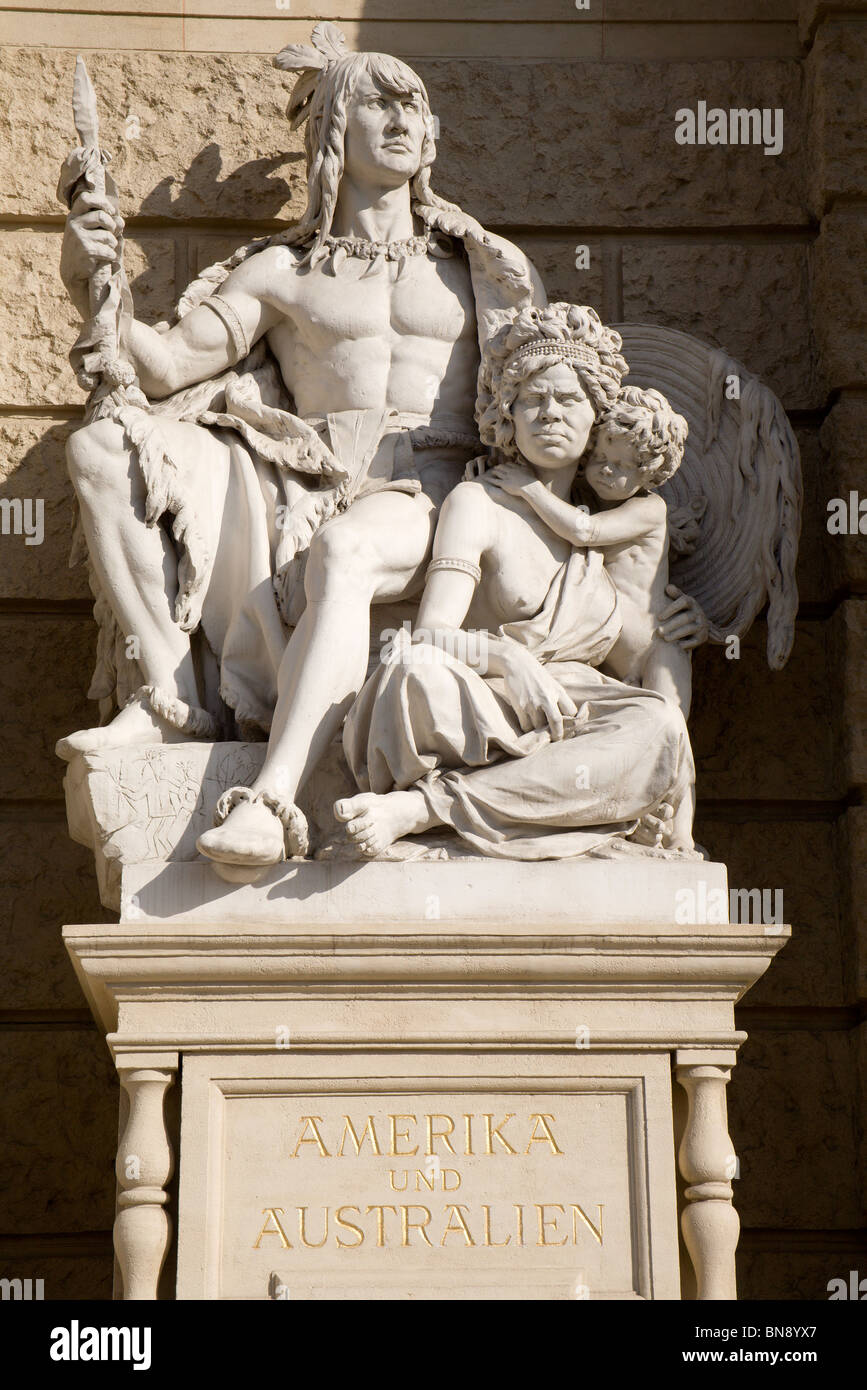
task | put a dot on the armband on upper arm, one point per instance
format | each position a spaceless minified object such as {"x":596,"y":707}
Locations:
{"x":234,"y":324}
{"x":452,"y":563}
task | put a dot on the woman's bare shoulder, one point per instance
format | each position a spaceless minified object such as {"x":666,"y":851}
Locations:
{"x":468,"y":516}
{"x":471,"y":495}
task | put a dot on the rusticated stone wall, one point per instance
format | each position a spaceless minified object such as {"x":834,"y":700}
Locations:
{"x":558,"y":130}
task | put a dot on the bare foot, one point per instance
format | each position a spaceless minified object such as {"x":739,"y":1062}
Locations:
{"x":375,"y":822}
{"x":250,"y":836}
{"x":135,"y":724}
{"x":654,"y":828}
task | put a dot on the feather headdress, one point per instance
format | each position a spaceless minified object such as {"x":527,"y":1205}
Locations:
{"x":310,"y":60}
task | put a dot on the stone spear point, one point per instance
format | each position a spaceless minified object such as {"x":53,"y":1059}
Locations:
{"x":84,"y":109}
{"x":86,"y":117}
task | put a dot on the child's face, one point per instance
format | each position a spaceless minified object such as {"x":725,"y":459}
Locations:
{"x":613,"y":470}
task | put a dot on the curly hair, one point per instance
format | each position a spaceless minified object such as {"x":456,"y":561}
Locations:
{"x":530,"y":340}
{"x":647,"y":420}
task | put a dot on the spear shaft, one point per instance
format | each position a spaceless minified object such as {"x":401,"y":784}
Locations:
{"x":98,"y":356}
{"x":86,"y":117}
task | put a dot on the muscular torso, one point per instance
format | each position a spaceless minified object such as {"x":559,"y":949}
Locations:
{"x":355,"y":342}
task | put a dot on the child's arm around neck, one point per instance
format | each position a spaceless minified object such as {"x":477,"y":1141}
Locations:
{"x":627,"y":521}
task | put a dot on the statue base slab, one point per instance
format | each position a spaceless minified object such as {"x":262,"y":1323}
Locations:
{"x":520,"y":1097}
{"x":141,"y":810}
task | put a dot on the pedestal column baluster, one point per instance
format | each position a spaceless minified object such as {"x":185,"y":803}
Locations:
{"x":142,"y":1228}
{"x":707,"y":1163}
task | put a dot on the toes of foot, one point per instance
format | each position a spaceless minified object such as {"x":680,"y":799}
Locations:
{"x":212,"y":839}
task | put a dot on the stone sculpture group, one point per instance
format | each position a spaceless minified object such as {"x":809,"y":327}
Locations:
{"x":371,"y":490}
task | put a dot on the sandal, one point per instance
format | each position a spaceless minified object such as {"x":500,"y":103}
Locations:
{"x":296,"y":838}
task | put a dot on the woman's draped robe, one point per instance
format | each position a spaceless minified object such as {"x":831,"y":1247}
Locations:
{"x":427,"y":720}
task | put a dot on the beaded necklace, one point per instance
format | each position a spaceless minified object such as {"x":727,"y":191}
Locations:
{"x":340,"y":248}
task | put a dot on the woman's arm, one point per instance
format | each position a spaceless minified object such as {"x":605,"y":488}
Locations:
{"x":465,"y":531}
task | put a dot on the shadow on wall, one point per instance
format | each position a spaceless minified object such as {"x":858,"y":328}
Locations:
{"x":204,"y":193}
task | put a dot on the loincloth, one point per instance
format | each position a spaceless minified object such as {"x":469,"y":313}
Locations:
{"x":398,"y":451}
{"x":378,"y":452}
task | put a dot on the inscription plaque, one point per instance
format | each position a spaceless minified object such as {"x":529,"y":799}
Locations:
{"x":334,"y":1191}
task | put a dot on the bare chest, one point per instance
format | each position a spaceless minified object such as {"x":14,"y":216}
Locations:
{"x":520,"y":567}
{"x":430,"y":299}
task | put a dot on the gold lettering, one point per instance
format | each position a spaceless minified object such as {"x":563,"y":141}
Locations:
{"x":443,"y":1134}
{"x":393,"y":1185}
{"x":380,"y":1222}
{"x":468,"y":1128}
{"x":348,"y":1226}
{"x":548,"y":1221}
{"x":316,"y":1139}
{"x":461,"y":1228}
{"x":400,"y":1134}
{"x":519,"y":1221}
{"x":490,"y":1133}
{"x":311,"y":1245}
{"x":369,"y":1130}
{"x":454,"y":1187}
{"x":406,"y":1225}
{"x":421,"y":1177}
{"x":594,"y":1231}
{"x":276,"y":1230}
{"x":488,"y":1241}
{"x":546,"y":1138}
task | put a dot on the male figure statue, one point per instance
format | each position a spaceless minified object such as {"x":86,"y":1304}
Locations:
{"x":370,"y":317}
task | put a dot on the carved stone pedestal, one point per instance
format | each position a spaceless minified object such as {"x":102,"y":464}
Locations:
{"x":425,"y":1080}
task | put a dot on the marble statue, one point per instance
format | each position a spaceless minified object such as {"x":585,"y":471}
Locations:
{"x":517,"y":562}
{"x":368,"y":485}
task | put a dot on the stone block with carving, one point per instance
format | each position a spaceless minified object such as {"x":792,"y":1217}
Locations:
{"x":147,"y":805}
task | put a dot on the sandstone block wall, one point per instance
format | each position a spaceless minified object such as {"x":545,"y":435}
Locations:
{"x":557,"y":130}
